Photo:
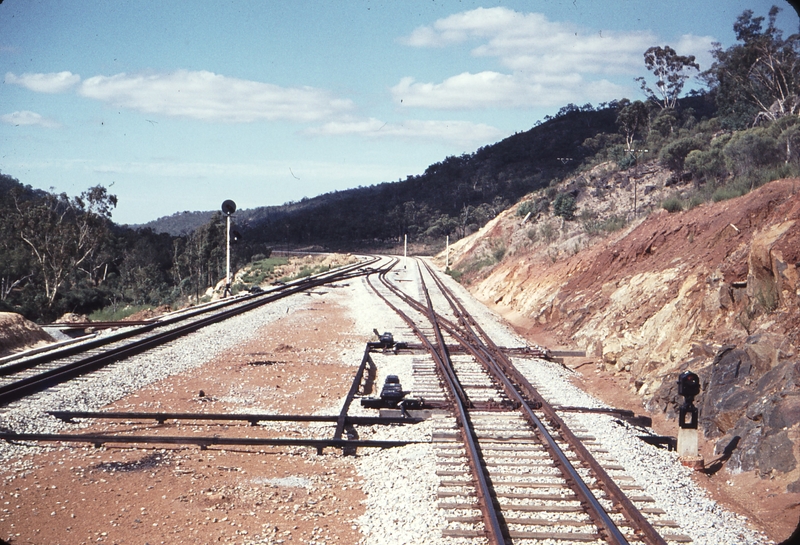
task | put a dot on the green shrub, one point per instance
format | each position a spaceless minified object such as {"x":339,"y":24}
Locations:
{"x":672,"y":204}
{"x":614,"y":223}
{"x":499,"y":251}
{"x":751,"y":151}
{"x":730,"y":191}
{"x":564,"y":206}
{"x":592,"y":225}
{"x":525,"y":208}
{"x":674,"y":154}
{"x":548,"y":232}
{"x":455,"y":274}
{"x":695,"y":201}
{"x":709,"y":165}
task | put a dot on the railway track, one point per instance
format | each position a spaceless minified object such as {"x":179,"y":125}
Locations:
{"x":25,"y":376}
{"x":511,"y":467}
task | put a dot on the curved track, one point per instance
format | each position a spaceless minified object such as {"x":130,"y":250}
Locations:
{"x":28,"y":376}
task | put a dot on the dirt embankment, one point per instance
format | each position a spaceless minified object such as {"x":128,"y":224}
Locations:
{"x":713,"y":290}
{"x":17,"y":333}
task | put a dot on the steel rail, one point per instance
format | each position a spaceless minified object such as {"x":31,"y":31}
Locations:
{"x":505,"y":368}
{"x":341,"y":420}
{"x":27,"y":386}
{"x":253,"y":419}
{"x":275,"y":292}
{"x":203,"y":442}
{"x":491,"y":518}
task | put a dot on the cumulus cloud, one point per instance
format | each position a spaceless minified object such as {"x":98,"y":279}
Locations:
{"x":212,"y":97}
{"x":493,"y":89}
{"x":456,"y":132}
{"x":529,"y":41}
{"x":25,"y":117}
{"x":699,"y":46}
{"x":549,"y":62}
{"x":53,"y":82}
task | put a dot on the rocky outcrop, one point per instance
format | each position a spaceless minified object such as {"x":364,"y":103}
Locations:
{"x":714,"y":290}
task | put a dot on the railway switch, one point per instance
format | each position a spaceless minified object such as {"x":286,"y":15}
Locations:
{"x":386,"y":341}
{"x":392,"y":397}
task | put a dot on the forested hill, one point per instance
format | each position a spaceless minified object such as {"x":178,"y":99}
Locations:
{"x":454,"y":196}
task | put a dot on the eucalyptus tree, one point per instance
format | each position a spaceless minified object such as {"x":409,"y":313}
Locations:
{"x":63,"y":234}
{"x":671,"y":71}
{"x":759,"y":77}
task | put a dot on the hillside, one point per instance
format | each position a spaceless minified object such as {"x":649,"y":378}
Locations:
{"x":472,"y":187}
{"x":714,"y":290}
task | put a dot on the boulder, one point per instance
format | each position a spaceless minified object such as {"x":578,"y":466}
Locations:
{"x":73,"y":318}
{"x":775,"y":454}
{"x":783,"y":412}
{"x":745,"y":456}
{"x":727,"y":393}
{"x":770,"y":279}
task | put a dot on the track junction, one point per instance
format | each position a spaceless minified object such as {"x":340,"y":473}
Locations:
{"x":511,"y":467}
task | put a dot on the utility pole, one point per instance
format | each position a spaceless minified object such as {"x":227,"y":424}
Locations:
{"x":636,"y":153}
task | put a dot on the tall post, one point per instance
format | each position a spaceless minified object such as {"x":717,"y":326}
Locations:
{"x":447,"y":253}
{"x":405,"y":250}
{"x":228,"y":274}
{"x":228,"y":208}
{"x":635,"y":153}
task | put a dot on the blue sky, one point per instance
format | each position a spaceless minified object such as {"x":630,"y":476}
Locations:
{"x":180,"y":105}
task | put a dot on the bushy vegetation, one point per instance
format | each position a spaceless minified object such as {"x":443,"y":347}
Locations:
{"x":305,"y":272}
{"x":592,"y":225}
{"x":60,"y":254}
{"x":262,"y":269}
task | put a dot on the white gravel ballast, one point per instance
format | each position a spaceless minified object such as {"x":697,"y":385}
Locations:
{"x":401,"y":483}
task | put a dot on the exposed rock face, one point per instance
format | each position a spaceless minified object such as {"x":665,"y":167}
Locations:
{"x":714,"y":290}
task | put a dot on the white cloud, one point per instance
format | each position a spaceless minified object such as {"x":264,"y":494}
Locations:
{"x":26,"y":117}
{"x":699,"y":46}
{"x":493,"y":89}
{"x":212,"y":97}
{"x":531,"y":42}
{"x":53,"y":82}
{"x":549,"y":63}
{"x":456,"y":132}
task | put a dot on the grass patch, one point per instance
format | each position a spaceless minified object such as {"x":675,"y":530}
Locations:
{"x":592,"y":225}
{"x":672,"y":204}
{"x":263,"y":270}
{"x":730,"y":191}
{"x":306,"y":272}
